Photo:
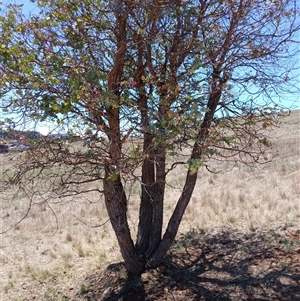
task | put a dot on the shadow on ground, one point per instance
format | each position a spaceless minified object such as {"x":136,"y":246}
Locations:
{"x":260,"y":265}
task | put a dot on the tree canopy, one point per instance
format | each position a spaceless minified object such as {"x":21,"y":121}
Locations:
{"x":144,"y":81}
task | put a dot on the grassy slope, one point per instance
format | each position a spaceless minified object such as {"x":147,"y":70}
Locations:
{"x":45,"y":260}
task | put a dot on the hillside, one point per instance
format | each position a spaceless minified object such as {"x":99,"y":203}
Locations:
{"x":239,"y":240}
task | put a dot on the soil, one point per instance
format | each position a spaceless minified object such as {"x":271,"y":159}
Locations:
{"x":224,"y":264}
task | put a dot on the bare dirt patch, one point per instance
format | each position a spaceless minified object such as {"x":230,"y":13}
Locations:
{"x":225,"y":265}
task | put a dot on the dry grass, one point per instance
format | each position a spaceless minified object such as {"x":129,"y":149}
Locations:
{"x":47,"y":255}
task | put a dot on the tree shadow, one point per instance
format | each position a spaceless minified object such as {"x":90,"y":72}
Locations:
{"x":228,"y":265}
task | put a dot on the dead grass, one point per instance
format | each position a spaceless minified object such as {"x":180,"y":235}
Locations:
{"x":50,"y":253}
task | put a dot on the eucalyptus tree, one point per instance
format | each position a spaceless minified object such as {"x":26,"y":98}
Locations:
{"x":145,"y":80}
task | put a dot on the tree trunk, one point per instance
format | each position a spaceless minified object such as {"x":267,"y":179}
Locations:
{"x":151,"y":207}
{"x":191,"y":178}
{"x":148,"y":175}
{"x":116,"y":204}
{"x":175,"y":220}
{"x":153,"y":187}
{"x":146,"y":205}
{"x":115,"y":197}
{"x":158,"y":201}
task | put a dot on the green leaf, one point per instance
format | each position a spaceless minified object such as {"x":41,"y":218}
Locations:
{"x":92,"y":76}
{"x":194,"y":165}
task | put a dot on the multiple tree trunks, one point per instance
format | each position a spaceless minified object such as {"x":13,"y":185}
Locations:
{"x":177,"y":74}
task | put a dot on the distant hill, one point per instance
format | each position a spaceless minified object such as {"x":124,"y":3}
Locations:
{"x":16,"y":135}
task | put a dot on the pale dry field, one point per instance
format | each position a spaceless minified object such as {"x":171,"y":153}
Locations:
{"x":48,"y":255}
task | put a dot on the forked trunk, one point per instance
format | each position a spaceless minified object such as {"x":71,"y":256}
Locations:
{"x":191,"y":178}
{"x":150,"y":248}
{"x":174,"y":222}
